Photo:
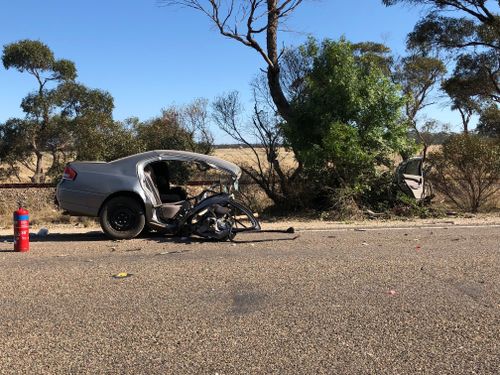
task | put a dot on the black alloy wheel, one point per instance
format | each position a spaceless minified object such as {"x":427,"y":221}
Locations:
{"x":122,"y":217}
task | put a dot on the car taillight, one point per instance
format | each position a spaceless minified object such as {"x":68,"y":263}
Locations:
{"x":69,"y":173}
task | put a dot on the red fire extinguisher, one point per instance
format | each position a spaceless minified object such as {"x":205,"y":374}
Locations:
{"x":21,"y":230}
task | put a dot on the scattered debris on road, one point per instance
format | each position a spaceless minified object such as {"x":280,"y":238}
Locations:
{"x":173,"y":252}
{"x":122,"y":275}
{"x":134,"y":249}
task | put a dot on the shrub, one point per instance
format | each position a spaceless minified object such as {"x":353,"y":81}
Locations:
{"x":347,"y":125}
{"x":467,"y":170}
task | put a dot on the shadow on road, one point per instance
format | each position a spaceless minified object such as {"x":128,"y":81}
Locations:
{"x":71,"y":237}
{"x":190,"y":240}
{"x":94,"y":236}
{"x":267,"y":240}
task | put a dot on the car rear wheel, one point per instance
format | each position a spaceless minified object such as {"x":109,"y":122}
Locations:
{"x":122,"y":218}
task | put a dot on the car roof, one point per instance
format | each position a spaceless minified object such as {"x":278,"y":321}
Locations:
{"x":185,"y":156}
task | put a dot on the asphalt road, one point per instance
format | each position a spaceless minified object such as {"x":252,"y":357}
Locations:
{"x":339,"y":302}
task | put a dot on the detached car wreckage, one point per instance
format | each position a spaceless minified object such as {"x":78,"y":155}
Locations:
{"x":134,"y":194}
{"x":411,"y":179}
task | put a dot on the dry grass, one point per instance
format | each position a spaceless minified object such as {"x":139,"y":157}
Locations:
{"x":241,"y":156}
{"x":245,"y":156}
{"x":25,"y":173}
{"x":40,"y":203}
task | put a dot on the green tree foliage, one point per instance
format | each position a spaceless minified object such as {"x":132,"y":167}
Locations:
{"x":347,"y":122}
{"x":37,"y":59}
{"x":104,"y":140}
{"x":467,"y":170}
{"x":14,"y":136}
{"x":65,"y":120}
{"x":470,"y":31}
{"x":165,"y":132}
{"x":349,"y":118}
{"x":478,"y":76}
{"x":455,"y":24}
{"x":177,"y":128}
{"x":489,"y":122}
{"x":371,"y":53}
{"x":462,"y":100}
{"x":417,"y":76}
{"x":58,"y":114}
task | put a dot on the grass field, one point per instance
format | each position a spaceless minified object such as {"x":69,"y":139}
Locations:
{"x":245,"y":156}
{"x":240,"y":155}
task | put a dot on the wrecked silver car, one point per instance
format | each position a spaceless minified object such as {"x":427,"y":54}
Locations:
{"x":135,"y":193}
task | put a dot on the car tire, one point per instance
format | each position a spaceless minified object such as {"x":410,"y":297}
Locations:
{"x":122,"y":218}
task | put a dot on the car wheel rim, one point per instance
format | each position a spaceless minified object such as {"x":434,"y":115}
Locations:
{"x":122,"y":219}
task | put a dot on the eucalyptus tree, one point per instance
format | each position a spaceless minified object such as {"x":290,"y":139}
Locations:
{"x":469,"y":31}
{"x":55,"y":111}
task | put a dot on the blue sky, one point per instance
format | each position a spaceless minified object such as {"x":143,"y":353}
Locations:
{"x":149,"y":57}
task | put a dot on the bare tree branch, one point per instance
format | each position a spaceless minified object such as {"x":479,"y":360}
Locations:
{"x":254,"y":17}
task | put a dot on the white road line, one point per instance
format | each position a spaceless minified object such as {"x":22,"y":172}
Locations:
{"x":400,"y":228}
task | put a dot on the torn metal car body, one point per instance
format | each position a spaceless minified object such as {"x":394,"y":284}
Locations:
{"x":411,"y":179}
{"x":133,"y":194}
